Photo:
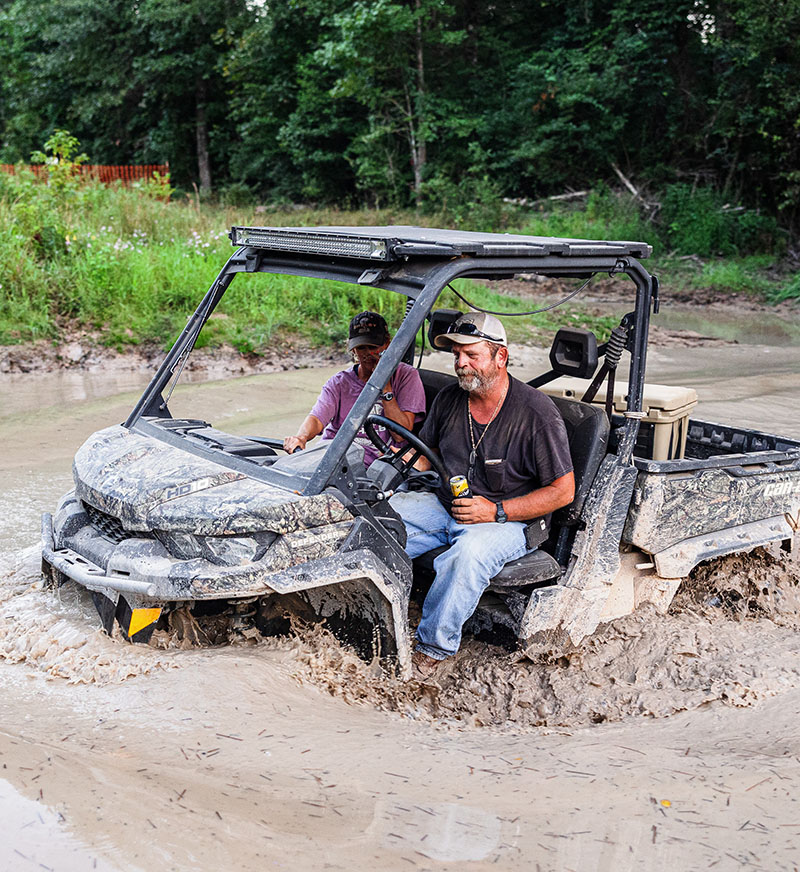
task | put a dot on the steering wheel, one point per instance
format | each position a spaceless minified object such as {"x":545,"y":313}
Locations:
{"x":404,"y":465}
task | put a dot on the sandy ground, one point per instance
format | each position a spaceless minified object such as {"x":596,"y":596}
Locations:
{"x":284,"y":755}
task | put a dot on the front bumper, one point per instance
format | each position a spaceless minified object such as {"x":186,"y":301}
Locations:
{"x":83,"y":571}
{"x":346,"y":571}
{"x":141,"y":564}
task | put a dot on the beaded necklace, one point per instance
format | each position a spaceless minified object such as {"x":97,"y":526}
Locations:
{"x":473,"y":455}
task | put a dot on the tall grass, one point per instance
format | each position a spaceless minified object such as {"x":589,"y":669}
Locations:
{"x":130,"y":266}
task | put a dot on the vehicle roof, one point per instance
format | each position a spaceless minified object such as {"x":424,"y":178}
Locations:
{"x":397,"y":242}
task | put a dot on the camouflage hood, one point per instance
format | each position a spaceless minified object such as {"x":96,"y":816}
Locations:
{"x":150,"y":485}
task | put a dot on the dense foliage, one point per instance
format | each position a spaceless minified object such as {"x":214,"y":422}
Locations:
{"x":428,"y":103}
{"x":127,"y":264}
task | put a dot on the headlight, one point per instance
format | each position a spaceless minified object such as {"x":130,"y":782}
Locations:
{"x":222,"y":550}
{"x":230,"y":550}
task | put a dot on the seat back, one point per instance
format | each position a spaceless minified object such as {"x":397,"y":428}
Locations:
{"x":433,"y":382}
{"x":587,"y":432}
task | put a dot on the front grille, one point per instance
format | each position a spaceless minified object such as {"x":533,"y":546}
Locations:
{"x":107,"y":525}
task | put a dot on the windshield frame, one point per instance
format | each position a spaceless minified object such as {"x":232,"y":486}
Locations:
{"x":419,"y":279}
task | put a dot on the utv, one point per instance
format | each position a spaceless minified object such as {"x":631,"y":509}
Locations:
{"x":171,"y":512}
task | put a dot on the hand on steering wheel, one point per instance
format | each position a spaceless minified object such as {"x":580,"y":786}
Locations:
{"x":402,"y":461}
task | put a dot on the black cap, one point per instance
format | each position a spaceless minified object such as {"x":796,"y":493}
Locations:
{"x":367,"y":328}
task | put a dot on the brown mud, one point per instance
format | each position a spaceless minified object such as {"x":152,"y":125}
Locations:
{"x":712,"y":646}
{"x":292,"y":753}
{"x":79,"y":350}
{"x":663,"y":742}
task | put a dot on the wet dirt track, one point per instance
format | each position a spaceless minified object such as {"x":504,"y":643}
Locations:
{"x":221,"y":758}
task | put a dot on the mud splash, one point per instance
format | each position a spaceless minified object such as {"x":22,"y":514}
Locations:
{"x":731,"y":637}
{"x":57,"y":633}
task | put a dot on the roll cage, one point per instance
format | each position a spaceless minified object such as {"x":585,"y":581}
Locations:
{"x":418,"y":263}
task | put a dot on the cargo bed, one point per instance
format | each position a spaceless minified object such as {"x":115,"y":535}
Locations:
{"x":734,"y":489}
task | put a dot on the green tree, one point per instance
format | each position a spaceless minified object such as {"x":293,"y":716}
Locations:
{"x":71,"y":65}
{"x":753,"y":131}
{"x":381,"y":53}
{"x":61,"y":158}
{"x":182,"y":74}
{"x":416,"y":101}
{"x":290,"y":136}
{"x":136,"y":82}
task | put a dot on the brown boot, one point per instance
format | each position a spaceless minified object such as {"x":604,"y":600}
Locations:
{"x":424,"y":668}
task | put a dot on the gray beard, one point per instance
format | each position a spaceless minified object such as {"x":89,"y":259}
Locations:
{"x":473,"y":383}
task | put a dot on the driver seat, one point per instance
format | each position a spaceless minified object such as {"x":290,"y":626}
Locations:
{"x":588,"y":434}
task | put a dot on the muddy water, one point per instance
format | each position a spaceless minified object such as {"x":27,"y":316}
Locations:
{"x":120,"y":757}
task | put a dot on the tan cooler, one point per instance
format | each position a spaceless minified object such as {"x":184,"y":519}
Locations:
{"x":666,"y":408}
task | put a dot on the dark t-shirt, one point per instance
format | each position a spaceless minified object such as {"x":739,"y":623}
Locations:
{"x":526,"y":446}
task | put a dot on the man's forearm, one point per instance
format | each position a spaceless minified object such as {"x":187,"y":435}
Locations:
{"x":542,"y":501}
{"x":311,"y":427}
{"x":393,"y":412}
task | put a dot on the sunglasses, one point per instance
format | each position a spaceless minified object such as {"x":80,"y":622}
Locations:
{"x":467,"y":328}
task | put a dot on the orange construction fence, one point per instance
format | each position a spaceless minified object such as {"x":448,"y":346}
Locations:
{"x":106,"y":174}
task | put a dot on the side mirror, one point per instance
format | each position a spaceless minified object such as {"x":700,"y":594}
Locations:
{"x":574,"y":352}
{"x":441,"y":319}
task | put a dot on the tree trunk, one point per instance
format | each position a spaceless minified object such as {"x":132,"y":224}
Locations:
{"x":414,"y":148}
{"x":203,"y":163}
{"x":420,"y":148}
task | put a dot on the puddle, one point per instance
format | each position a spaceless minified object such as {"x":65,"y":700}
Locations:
{"x":35,"y":838}
{"x":231,"y":761}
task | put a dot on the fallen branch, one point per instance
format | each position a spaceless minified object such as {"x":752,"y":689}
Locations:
{"x":625,"y":181}
{"x":524,"y":201}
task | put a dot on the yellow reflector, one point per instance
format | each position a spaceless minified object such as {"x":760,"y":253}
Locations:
{"x":141,"y":618}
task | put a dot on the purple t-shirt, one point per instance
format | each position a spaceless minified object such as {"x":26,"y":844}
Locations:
{"x":339,"y":395}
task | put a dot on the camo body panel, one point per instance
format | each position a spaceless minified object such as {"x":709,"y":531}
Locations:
{"x":194,"y":577}
{"x":247,"y":506}
{"x":669,"y":508}
{"x":150,"y":485}
{"x":200,"y":579}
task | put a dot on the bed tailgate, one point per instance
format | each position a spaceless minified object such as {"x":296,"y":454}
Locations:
{"x":686,"y":511}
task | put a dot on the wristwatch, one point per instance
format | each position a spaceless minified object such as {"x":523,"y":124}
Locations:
{"x":502,"y":517}
{"x":387,"y":396}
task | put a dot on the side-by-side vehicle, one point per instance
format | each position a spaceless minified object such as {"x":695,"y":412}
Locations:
{"x":171,"y":512}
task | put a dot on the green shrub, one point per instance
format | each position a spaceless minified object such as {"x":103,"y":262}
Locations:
{"x":131,"y":264}
{"x":732,"y":275}
{"x":788,"y":291}
{"x":237,"y":194}
{"x":606,"y":215}
{"x":696,"y":221}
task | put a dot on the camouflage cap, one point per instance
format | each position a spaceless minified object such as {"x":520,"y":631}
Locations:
{"x":367,"y":328}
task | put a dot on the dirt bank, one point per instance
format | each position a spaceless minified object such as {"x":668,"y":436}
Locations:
{"x":83,"y":350}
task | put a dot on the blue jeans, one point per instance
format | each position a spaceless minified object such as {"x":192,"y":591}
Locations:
{"x":477,"y":553}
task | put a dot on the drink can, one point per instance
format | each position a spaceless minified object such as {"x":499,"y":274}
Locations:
{"x":459,"y":486}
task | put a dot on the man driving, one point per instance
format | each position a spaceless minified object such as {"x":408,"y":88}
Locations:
{"x":402,"y":399}
{"x":510,"y":442}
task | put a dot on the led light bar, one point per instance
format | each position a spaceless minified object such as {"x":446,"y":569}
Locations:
{"x":339,"y":244}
